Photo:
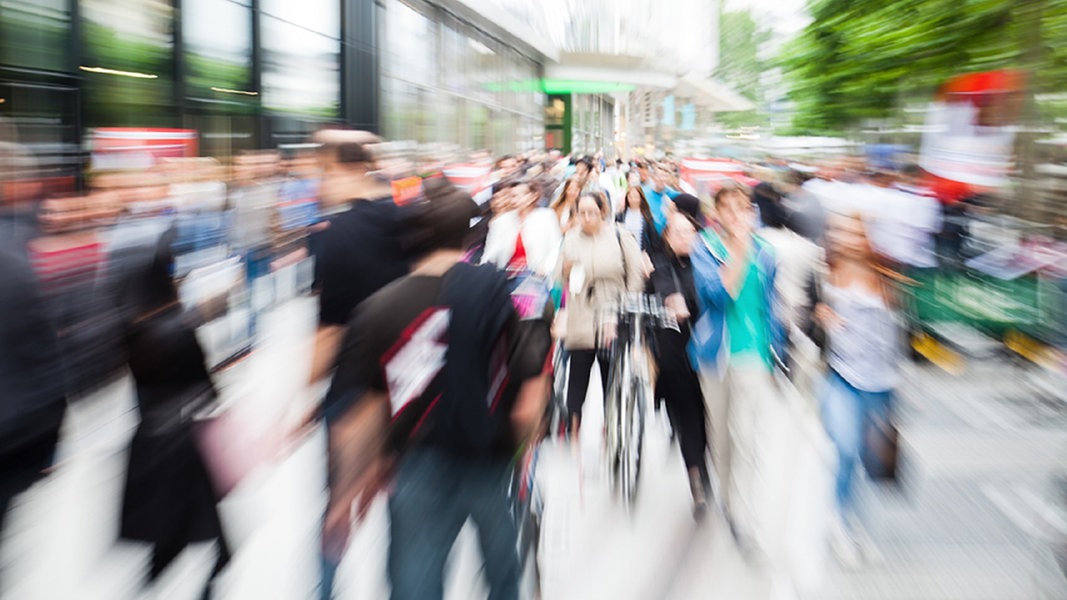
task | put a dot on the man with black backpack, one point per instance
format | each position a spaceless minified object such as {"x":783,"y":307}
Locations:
{"x":429,"y":360}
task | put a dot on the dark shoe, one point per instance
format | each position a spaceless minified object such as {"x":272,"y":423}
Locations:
{"x":700,"y":511}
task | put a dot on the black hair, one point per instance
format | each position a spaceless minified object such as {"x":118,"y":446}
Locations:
{"x":353,"y":152}
{"x":598,"y":198}
{"x":769,"y":201}
{"x":441,"y":220}
{"x":533,"y":185}
{"x":145,"y":281}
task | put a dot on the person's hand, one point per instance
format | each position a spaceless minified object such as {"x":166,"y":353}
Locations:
{"x":377,"y":480}
{"x":675,"y":303}
{"x":337,"y":528}
{"x":608,"y":334}
{"x":827,"y":317}
{"x":646,"y":265}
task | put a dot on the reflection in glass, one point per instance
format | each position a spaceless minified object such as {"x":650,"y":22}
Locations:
{"x":302,"y":56}
{"x":33,"y":34}
{"x":128,"y":61}
{"x":218,"y":49}
{"x":447,"y":82}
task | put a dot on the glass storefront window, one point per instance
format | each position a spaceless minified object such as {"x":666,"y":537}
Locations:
{"x":445,"y":82}
{"x":128,"y":63}
{"x":218,"y":50}
{"x":301,"y":56}
{"x":410,"y":51}
{"x":33,"y":34}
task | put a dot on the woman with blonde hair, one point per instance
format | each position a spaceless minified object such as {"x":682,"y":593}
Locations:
{"x":856,"y":310}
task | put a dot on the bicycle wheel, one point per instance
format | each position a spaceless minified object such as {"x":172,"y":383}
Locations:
{"x":614,"y":419}
{"x":633,"y":430}
{"x":557,"y":405}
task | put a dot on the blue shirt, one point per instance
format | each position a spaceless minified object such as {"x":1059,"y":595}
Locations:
{"x":657,"y":203}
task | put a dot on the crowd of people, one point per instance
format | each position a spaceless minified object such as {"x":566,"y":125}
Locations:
{"x":438,"y":319}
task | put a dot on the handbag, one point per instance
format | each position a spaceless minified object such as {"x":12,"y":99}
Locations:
{"x":881,"y":448}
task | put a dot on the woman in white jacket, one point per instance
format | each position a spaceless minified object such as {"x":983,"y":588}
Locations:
{"x":525,"y":238}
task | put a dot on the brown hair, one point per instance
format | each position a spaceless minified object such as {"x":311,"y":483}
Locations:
{"x":883,"y":272}
{"x":646,"y":210}
{"x":559,"y":204}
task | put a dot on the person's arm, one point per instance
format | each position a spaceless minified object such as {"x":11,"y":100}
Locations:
{"x":324,"y":355}
{"x":663,"y":281}
{"x":500,"y":240}
{"x":634,"y":275}
{"x":707,"y":278}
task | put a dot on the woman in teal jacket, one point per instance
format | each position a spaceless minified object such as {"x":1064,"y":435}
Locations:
{"x":736,"y":344}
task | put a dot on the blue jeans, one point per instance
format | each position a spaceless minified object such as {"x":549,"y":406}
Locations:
{"x":847,"y":412}
{"x":435,"y":493}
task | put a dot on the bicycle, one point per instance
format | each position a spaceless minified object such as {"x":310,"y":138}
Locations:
{"x":629,"y":390}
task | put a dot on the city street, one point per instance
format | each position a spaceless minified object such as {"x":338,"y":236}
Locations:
{"x":978,"y":516}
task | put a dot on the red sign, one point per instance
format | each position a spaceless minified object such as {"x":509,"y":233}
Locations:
{"x":135,"y":148}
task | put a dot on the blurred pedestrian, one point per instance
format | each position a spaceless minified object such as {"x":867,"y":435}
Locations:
{"x":524,"y":238}
{"x":658,"y":192}
{"x":865,"y":354}
{"x":566,"y":204}
{"x":677,"y":383}
{"x":32,"y":390}
{"x":168,"y":498}
{"x":32,"y":402}
{"x":736,"y":343}
{"x":599,"y":262}
{"x":805,"y":214}
{"x":424,"y":360}
{"x":799,"y":261}
{"x":359,"y":252}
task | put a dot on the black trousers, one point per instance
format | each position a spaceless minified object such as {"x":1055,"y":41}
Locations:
{"x":679,"y":386}
{"x":581,"y":367}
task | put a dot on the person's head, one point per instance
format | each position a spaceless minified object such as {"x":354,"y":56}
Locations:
{"x":583,"y":168}
{"x":145,"y":275}
{"x":525,"y":194}
{"x":847,"y":236}
{"x":19,"y":180}
{"x":771,"y":209}
{"x":643,"y":171}
{"x":501,"y":200}
{"x":506,"y":165}
{"x":347,"y":161}
{"x":591,"y":213}
{"x":660,"y":178}
{"x":689,"y":205}
{"x":680,"y":234}
{"x":734,"y":209}
{"x":441,"y":220}
{"x":571,"y":190}
{"x":636,"y":200}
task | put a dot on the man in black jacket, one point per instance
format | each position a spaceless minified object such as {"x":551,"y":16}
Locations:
{"x":32,"y":399}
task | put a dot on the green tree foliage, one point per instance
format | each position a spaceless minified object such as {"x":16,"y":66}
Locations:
{"x":740,"y":65}
{"x":862,"y":59}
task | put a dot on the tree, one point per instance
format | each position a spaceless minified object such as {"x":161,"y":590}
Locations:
{"x":864,"y":59}
{"x":740,"y":65}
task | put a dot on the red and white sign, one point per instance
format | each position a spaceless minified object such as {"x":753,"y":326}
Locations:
{"x":707,"y":175}
{"x":968,"y":137}
{"x":136,"y":148}
{"x":472,"y":178}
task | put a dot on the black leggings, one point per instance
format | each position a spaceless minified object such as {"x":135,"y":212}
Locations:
{"x":581,"y":366}
{"x":680,"y":389}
